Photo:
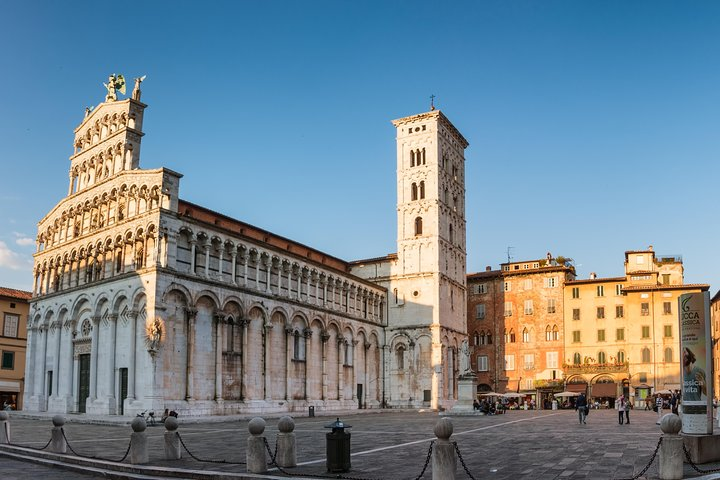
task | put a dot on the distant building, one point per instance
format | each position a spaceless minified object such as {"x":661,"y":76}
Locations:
{"x":621,"y":333}
{"x":14,"y":308}
{"x":515,"y":324}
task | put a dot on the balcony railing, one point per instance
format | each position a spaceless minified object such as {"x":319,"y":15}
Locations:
{"x":572,"y":369}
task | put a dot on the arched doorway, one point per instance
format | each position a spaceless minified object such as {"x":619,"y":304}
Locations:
{"x":604,"y":391}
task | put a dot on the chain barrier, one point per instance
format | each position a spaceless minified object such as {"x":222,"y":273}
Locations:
{"x":204,"y":459}
{"x":94,"y":456}
{"x":280,"y":469}
{"x":652,"y":459}
{"x":462,"y":462}
{"x":32,"y":448}
{"x":695,"y":467}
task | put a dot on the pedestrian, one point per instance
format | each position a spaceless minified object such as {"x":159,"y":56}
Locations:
{"x":659,"y":407}
{"x":674,"y":403}
{"x":581,"y":405}
{"x":627,"y":410}
{"x":648,"y":403}
{"x":620,"y":407}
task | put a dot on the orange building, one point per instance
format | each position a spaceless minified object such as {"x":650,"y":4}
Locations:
{"x":14,"y":308}
{"x":515,"y":324}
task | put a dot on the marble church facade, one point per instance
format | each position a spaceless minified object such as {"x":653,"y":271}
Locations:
{"x":144,"y":301}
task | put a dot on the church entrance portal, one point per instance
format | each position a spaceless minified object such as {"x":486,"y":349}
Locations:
{"x":84,"y":381}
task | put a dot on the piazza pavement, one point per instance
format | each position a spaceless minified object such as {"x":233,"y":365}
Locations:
{"x":543,"y":444}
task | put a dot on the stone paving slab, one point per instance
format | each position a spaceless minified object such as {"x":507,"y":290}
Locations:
{"x":394,"y":445}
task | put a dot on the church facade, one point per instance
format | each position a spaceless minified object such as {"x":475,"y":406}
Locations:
{"x":144,"y":301}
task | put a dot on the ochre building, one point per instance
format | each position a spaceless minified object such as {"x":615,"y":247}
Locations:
{"x":14,"y":308}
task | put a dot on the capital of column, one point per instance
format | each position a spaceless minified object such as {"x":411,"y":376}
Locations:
{"x":191,"y":312}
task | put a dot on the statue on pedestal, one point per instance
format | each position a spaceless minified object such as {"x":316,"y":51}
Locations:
{"x":464,"y":356}
{"x":115,"y":82}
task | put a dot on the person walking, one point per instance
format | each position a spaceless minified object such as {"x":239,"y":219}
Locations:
{"x":627,"y":407}
{"x":620,"y":407}
{"x":659,"y":406}
{"x":581,"y":405}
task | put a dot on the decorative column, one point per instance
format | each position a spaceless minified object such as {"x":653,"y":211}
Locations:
{"x":221,"y":251}
{"x":289,"y":347}
{"x":112,"y":324}
{"x":43,"y":365}
{"x":94,"y":357}
{"x":193,"y":244}
{"x":207,"y":246}
{"x":324,"y":337}
{"x":307,"y":334}
{"x":68,"y":379}
{"x":233,"y":257}
{"x":244,"y":357}
{"x":341,"y":342}
{"x":266,"y":357}
{"x":354,"y":371}
{"x":133,"y":316}
{"x":220,"y":319}
{"x":32,"y":335}
{"x":190,"y":334}
{"x":363,"y":400}
{"x":57,"y":327}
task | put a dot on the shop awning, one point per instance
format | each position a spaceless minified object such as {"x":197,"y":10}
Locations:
{"x":576,"y":387}
{"x":604,"y":390}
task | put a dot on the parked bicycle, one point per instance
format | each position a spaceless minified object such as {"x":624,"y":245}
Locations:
{"x":149,"y":417}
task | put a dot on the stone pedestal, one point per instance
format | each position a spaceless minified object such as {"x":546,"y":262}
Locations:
{"x":703,"y":448}
{"x":172,"y":440}
{"x":138,"y":442}
{"x":255,"y":455}
{"x":466,"y":395}
{"x":286,"y":451}
{"x":58,"y":444}
{"x":4,"y":428}
{"x":444,"y":461}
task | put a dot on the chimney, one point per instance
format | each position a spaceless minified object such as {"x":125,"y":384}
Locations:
{"x":593,"y":275}
{"x":488,"y":268}
{"x":650,"y":248}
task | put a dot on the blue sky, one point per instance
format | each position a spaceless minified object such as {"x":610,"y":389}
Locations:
{"x":593,"y":126}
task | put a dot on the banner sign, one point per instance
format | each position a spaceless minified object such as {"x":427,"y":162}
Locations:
{"x":696,"y":363}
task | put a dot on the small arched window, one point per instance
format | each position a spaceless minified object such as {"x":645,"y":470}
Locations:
{"x":412,"y":158}
{"x":400,"y":357}
{"x":668,"y":355}
{"x":422,"y":189}
{"x":601,"y":358}
{"x":418,"y":226}
{"x":512,"y":335}
{"x":548,"y":334}
{"x":477,"y":338}
{"x":645,"y":355}
{"x":414,"y":192}
{"x":555,"y":333}
{"x":525,"y":335}
{"x":576,"y":359}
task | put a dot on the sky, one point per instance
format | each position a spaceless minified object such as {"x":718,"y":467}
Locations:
{"x":593,"y":126}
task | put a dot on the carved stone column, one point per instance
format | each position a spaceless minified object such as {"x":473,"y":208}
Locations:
{"x":193,"y":247}
{"x":220,"y":320}
{"x":94,"y":357}
{"x":324,"y":337}
{"x":289,"y":351}
{"x":243,"y":358}
{"x":112,"y":325}
{"x":307,"y":334}
{"x":132,"y":317}
{"x":233,"y":256}
{"x":266,"y":359}
{"x":341,"y":346}
{"x":190,"y":314}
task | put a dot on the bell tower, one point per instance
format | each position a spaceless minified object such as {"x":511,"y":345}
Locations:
{"x":428,"y":281}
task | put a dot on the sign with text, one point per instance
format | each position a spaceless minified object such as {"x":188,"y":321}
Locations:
{"x":696,"y":363}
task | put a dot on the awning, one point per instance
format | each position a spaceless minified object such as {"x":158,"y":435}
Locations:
{"x":604,"y":390}
{"x":576,"y":387}
{"x":9,"y":386}
{"x":642,"y":386}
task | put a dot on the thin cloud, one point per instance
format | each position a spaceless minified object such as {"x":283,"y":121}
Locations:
{"x":22,"y":239}
{"x":12,"y":260}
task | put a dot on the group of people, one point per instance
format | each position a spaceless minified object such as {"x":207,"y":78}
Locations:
{"x":623,"y":406}
{"x":488,"y":408}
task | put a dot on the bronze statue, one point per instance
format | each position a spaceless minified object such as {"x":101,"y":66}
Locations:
{"x":115,"y":82}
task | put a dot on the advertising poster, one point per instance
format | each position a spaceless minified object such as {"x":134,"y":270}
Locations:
{"x":696,"y":363}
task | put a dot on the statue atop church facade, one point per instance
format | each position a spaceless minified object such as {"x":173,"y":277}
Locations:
{"x":115,"y":83}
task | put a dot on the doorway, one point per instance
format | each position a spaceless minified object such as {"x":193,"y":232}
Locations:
{"x":83,"y":381}
{"x":123,"y":389}
{"x":360,"y":395}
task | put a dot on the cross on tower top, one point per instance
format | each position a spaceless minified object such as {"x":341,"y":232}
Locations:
{"x":432,"y":102}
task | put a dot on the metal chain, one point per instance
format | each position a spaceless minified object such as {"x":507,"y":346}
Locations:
{"x":695,"y":467}
{"x":93,"y":456}
{"x":32,"y":448}
{"x":652,"y":459}
{"x":462,"y":462}
{"x":202,"y":459}
{"x":427,"y":461}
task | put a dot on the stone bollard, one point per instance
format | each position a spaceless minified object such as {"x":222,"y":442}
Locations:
{"x":444,"y":463}
{"x":138,"y":442}
{"x":255,"y":455}
{"x":172,"y":439}
{"x":286,"y":453}
{"x":58,"y":444}
{"x":4,"y":427}
{"x":671,"y":448}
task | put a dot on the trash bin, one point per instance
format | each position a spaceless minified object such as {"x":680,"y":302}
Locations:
{"x":338,"y":447}
{"x":311,"y":411}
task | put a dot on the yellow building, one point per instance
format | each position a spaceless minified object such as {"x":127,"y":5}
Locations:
{"x":14,"y":310}
{"x":622,"y":333}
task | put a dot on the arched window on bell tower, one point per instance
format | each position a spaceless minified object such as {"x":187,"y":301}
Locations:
{"x":418,"y":226}
{"x":412,"y":158}
{"x":414,"y":192}
{"x":451,"y":234}
{"x":422,"y":189}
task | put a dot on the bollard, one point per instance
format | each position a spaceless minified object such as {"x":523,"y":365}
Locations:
{"x":4,"y":427}
{"x":444,"y":463}
{"x":671,"y":448}
{"x":138,"y":442}
{"x":172,"y":439}
{"x":286,"y":453}
{"x":255,"y":455}
{"x":58,"y":444}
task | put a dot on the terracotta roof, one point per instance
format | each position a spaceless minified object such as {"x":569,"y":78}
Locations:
{"x":12,"y":293}
{"x":597,"y":280}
